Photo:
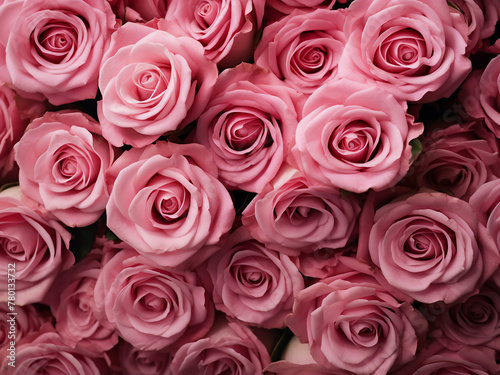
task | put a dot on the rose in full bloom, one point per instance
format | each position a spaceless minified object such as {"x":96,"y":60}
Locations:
{"x":143,"y":362}
{"x":248,"y":125}
{"x":227,"y":29}
{"x":151,"y":307}
{"x":167,"y":203}
{"x":53,"y":49}
{"x":35,"y":249}
{"x":412,"y":50}
{"x":151,"y":83}
{"x":229,"y":348}
{"x":354,"y":136}
{"x":63,"y":159}
{"x":253,"y":283}
{"x":292,"y":216}
{"x":355,"y":324}
{"x":304,"y":48}
{"x":431,"y":246}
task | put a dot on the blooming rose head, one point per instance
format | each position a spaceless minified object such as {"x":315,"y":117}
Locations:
{"x":167,"y":203}
{"x":34,"y":250}
{"x":53,"y":49}
{"x":304,"y":48}
{"x":431,"y":246}
{"x":412,"y":50}
{"x":151,"y":83}
{"x":229,"y":348}
{"x":248,"y":125}
{"x":354,"y":136}
{"x":151,"y":307}
{"x":63,"y":160}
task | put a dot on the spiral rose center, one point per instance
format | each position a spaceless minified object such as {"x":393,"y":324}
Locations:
{"x":56,"y":42}
{"x":310,"y":59}
{"x":170,"y":203}
{"x":150,"y":81}
{"x":12,"y":248}
{"x":154,"y":303}
{"x":354,"y":142}
{"x":245,"y":133}
{"x":206,"y":12}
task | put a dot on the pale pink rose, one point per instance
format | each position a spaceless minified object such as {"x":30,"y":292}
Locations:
{"x":167,"y":203}
{"x":229,"y":348}
{"x":354,"y":136}
{"x":456,"y":159}
{"x":255,"y":284}
{"x":71,"y":301}
{"x":227,"y":29}
{"x":353,"y":323}
{"x":151,"y":83}
{"x":62,"y":161}
{"x":412,"y":50}
{"x":151,"y":307}
{"x":53,"y":49}
{"x":134,"y":361}
{"x":294,"y":216}
{"x":35,"y":250}
{"x":18,"y":322}
{"x":486,"y":203}
{"x":45,"y":352}
{"x":248,"y":125}
{"x":431,"y":246}
{"x":304,"y":48}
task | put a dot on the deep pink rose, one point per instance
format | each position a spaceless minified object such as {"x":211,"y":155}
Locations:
{"x":151,"y":83}
{"x":168,"y":204}
{"x":151,"y":307}
{"x":227,"y":29}
{"x":431,"y":246}
{"x":354,"y":136}
{"x":304,"y":48}
{"x":255,"y":284}
{"x":248,"y":125}
{"x":229,"y":348}
{"x":35,"y":250}
{"x":293,"y":216}
{"x":63,"y":159}
{"x":26,"y":321}
{"x":71,"y":301}
{"x":134,"y":361}
{"x":411,"y":49}
{"x":353,"y":323}
{"x":53,"y":49}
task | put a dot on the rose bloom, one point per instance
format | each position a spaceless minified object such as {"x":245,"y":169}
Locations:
{"x":293,"y":216}
{"x":248,"y":125}
{"x":63,"y":159}
{"x":151,"y":83}
{"x":229,"y":348}
{"x":355,"y":137}
{"x":355,"y":324}
{"x":143,"y":362}
{"x":45,"y":352}
{"x":35,"y":249}
{"x":304,"y":48}
{"x":53,"y":49}
{"x":253,"y":283}
{"x":457,"y":159}
{"x":167,"y":203}
{"x":429,"y":241}
{"x":412,"y":50}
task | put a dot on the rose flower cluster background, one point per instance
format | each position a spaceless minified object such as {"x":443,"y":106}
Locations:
{"x":249,"y":187}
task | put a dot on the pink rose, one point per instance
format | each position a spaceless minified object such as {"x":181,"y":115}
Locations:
{"x":140,"y":10}
{"x":412,"y":50}
{"x":167,"y":203}
{"x":353,"y":323}
{"x":248,"y":125}
{"x":227,"y":29}
{"x":294,"y":216}
{"x":253,"y":283}
{"x":53,"y":49}
{"x":63,"y":159}
{"x":35,"y":250}
{"x":304,"y":48}
{"x":427,"y":242}
{"x":151,"y":83}
{"x":134,"y":361}
{"x":71,"y":301}
{"x":149,"y":306}
{"x":26,"y":321}
{"x":354,"y":136}
{"x":229,"y":348}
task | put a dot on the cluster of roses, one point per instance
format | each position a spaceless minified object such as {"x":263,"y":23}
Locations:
{"x":249,"y":186}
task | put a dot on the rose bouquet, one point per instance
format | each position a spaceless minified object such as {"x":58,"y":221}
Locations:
{"x":249,"y":187}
